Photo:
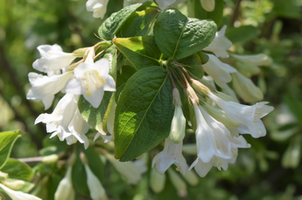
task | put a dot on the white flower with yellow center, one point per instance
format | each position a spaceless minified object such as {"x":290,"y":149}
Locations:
{"x":92,"y":79}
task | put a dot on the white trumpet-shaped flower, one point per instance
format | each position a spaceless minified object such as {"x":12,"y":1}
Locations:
{"x":96,"y":189}
{"x":98,"y":7}
{"x":66,"y":121}
{"x":45,"y":87}
{"x":172,"y":154}
{"x":220,"y":44}
{"x":52,"y":58}
{"x":218,"y":70}
{"x":92,"y":79}
{"x":65,"y":190}
{"x":178,"y":126}
{"x":248,"y":116}
{"x":17,"y":195}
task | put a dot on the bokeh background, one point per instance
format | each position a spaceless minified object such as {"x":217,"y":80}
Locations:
{"x":270,"y":170}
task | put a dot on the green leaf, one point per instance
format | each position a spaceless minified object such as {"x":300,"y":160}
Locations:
{"x":112,"y":24}
{"x":217,"y":14}
{"x":144,"y":113}
{"x":141,"y":51}
{"x":287,"y":9}
{"x":242,"y":33}
{"x":178,"y":36}
{"x":125,"y":73}
{"x":17,"y":170}
{"x":94,"y":162}
{"x":193,"y":65}
{"x":94,"y":116}
{"x":7,"y":140}
{"x":139,"y":23}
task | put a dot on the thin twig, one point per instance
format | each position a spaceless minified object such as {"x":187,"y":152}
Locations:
{"x":235,"y":13}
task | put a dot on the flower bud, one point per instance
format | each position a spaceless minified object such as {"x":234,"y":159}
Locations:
{"x":200,"y":87}
{"x":220,"y":115}
{"x":191,"y":178}
{"x":65,"y":190}
{"x":190,"y":149}
{"x":247,"y":69}
{"x":157,"y":181}
{"x":16,"y":195}
{"x":178,"y":183}
{"x":50,"y":159}
{"x":15,"y":184}
{"x":258,"y":59}
{"x":208,"y":5}
{"x":178,"y":126}
{"x":192,"y":95}
{"x":80,"y":52}
{"x":246,"y":89}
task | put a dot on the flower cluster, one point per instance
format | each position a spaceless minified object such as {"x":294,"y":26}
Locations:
{"x":219,"y":120}
{"x":86,"y":77}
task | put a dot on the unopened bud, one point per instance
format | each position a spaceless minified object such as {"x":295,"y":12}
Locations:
{"x":176,"y":97}
{"x":191,"y":177}
{"x":50,"y":159}
{"x":178,"y":126}
{"x":80,"y":52}
{"x":178,"y":183}
{"x":258,"y":59}
{"x":189,"y":149}
{"x":247,"y":69}
{"x":191,"y":93}
{"x":157,"y":181}
{"x":200,"y":87}
{"x":220,"y":115}
{"x":246,"y":89}
{"x":14,"y":185}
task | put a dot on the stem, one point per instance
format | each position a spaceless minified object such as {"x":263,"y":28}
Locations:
{"x":171,"y":77}
{"x":235,"y":13}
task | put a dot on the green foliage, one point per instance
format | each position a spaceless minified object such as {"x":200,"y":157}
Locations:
{"x":7,"y":140}
{"x":17,"y":170}
{"x":178,"y":36}
{"x":141,"y":126}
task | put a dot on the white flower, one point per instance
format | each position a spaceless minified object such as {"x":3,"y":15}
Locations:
{"x":128,"y":169}
{"x":258,"y":59}
{"x":66,"y":121}
{"x":45,"y":87}
{"x":17,"y":195}
{"x":178,"y":126}
{"x":99,"y":7}
{"x":208,"y":5}
{"x":92,"y":79}
{"x":52,"y":58}
{"x":248,"y":116}
{"x":220,"y":44}
{"x":97,"y":191}
{"x":218,"y":70}
{"x":172,"y":154}
{"x":129,"y":2}
{"x":65,"y":190}
{"x":245,"y":88}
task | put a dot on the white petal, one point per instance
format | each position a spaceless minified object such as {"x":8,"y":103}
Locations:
{"x":17,"y":195}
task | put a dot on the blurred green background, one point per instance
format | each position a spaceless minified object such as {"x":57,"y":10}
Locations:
{"x":270,"y":170}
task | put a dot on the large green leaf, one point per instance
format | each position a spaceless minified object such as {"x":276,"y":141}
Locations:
{"x":144,"y":113}
{"x":7,"y":140}
{"x":17,"y":170}
{"x":178,"y":36}
{"x":79,"y":177}
{"x":122,"y":77}
{"x":141,"y":51}
{"x":138,"y":23}
{"x":113,"y":23}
